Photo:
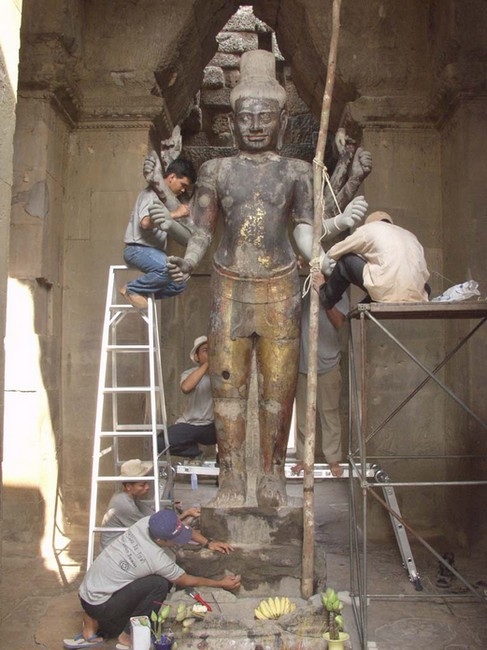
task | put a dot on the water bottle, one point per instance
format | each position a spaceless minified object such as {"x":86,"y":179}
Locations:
{"x":194,"y":481}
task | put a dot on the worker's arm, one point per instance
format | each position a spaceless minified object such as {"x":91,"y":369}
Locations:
{"x":230,"y":582}
{"x":212,"y":544}
{"x":190,"y":382}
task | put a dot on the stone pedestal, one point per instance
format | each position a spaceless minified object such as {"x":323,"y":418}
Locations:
{"x":267,"y":549}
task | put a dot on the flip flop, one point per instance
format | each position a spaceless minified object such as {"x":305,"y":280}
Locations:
{"x":122,"y":646}
{"x":79,"y":641}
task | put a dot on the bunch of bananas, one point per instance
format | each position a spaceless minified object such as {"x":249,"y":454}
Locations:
{"x":274,"y":607}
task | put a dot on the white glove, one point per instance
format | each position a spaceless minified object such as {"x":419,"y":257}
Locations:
{"x":353,"y":214}
{"x":327,"y":264}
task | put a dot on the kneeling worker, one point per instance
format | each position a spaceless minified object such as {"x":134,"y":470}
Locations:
{"x":133,"y":575}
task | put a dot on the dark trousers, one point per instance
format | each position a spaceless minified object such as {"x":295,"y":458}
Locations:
{"x":135,"y":599}
{"x":184,"y":438}
{"x":348,"y":270}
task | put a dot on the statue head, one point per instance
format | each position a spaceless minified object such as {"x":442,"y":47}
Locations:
{"x":258,"y":101}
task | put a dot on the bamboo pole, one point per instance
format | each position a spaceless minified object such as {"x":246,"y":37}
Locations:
{"x":310,"y":434}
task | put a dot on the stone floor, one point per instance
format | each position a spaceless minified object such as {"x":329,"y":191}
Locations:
{"x":40,"y":607}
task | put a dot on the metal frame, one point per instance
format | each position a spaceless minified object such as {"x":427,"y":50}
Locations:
{"x":360,"y":487}
{"x":108,"y":385}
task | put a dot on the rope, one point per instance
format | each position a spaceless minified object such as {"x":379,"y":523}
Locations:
{"x":326,"y":177}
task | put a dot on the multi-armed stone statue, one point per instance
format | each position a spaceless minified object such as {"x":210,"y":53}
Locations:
{"x":255,"y":286}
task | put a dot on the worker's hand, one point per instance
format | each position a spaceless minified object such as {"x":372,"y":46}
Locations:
{"x":230,"y":582}
{"x":318,"y":279}
{"x":179,"y":269}
{"x":190,"y":512}
{"x":221,"y":547}
{"x":181,"y":211}
{"x":362,"y":164}
{"x":159,"y":215}
{"x":327,"y":264}
{"x":353,"y":214}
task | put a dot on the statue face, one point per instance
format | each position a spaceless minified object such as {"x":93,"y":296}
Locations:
{"x":258,"y":124}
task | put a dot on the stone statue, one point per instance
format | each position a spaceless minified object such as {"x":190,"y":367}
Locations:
{"x":255,"y":284}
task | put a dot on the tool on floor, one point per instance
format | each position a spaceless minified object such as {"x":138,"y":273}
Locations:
{"x":130,"y":340}
{"x":194,"y":594}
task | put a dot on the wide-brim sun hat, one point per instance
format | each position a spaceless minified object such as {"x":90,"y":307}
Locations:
{"x":197,"y":344}
{"x":135,"y":467}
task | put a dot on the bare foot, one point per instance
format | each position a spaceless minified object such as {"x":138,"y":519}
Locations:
{"x":336,"y":469}
{"x":298,"y":468}
{"x":231,"y":492}
{"x":271,"y":492}
{"x":124,"y":638}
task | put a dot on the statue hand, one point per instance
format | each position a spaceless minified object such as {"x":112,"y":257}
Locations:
{"x":159,"y":215}
{"x":353,"y":214}
{"x":344,"y":144}
{"x":179,"y":269}
{"x":327,"y":264}
{"x":362,"y":164}
{"x":151,"y":163}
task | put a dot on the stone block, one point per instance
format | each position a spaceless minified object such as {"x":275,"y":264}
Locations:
{"x":216,"y":98}
{"x":267,"y":548}
{"x":234,"y":42}
{"x":225,"y":60}
{"x":213,"y":77}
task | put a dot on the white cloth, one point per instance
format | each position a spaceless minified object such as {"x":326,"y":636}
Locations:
{"x":199,"y":402}
{"x":123,"y":511}
{"x":396,"y":269}
{"x":131,"y":556}
{"x":134,"y":233}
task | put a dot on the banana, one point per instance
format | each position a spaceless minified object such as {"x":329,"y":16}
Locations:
{"x":264,"y":608}
{"x":258,"y":614}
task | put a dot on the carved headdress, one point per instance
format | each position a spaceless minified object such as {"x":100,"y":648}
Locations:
{"x":258,"y":78}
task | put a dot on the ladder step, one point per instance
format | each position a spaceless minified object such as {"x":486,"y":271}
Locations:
{"x":128,"y":389}
{"x":125,"y":434}
{"x":127,"y":348}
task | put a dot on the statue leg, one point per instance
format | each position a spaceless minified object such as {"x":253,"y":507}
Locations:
{"x":277,"y":370}
{"x":229,"y":364}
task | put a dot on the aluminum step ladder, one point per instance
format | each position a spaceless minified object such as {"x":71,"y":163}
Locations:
{"x":130,"y":382}
{"x":389,"y":493}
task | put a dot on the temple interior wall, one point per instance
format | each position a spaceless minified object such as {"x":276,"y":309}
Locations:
{"x":91,"y":88}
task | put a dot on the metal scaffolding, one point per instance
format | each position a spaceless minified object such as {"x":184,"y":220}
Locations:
{"x":363,"y":490}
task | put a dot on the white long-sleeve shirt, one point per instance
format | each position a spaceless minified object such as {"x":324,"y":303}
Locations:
{"x":396,"y":269}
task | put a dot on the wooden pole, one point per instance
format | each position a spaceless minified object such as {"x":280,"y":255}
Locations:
{"x":309,"y":441}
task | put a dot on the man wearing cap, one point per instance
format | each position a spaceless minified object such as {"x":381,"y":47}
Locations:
{"x":196,"y":425}
{"x":133,"y":575}
{"x":383,"y":259}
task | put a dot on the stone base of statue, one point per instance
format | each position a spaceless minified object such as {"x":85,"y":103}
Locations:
{"x":268,"y":549}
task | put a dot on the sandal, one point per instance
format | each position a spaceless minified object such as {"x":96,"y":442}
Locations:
{"x":79,"y":641}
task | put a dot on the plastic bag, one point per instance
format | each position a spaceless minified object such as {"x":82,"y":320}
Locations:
{"x":459,"y":292}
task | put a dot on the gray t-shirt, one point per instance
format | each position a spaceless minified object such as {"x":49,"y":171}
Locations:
{"x":123,"y":511}
{"x":328,"y":337}
{"x":135,"y":234}
{"x":131,"y":556}
{"x":199,"y":403}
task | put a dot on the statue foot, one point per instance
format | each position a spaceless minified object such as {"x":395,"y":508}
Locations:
{"x":271,"y":492}
{"x":231,"y":492}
